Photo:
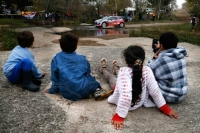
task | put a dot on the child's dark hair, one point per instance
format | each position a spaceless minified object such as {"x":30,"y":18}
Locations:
{"x":68,"y":42}
{"x":168,"y":40}
{"x":134,"y":56}
{"x":25,"y":39}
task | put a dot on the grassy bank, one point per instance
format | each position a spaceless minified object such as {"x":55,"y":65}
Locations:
{"x":7,"y":39}
{"x":183,"y":31}
{"x":7,"y":35}
{"x":14,"y":22}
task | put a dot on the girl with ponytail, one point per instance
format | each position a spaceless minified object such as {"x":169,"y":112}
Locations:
{"x":133,"y":85}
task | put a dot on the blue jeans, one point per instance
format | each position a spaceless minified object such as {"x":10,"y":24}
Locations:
{"x":23,"y":65}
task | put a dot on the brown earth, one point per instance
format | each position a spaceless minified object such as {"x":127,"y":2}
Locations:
{"x":182,"y":14}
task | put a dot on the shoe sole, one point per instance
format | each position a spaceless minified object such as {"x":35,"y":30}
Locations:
{"x":115,"y":65}
{"x":103,"y":65}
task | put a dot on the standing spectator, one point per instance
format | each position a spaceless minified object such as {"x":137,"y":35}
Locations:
{"x":19,"y":13}
{"x":153,"y":16}
{"x":1,"y":12}
{"x":193,"y":21}
{"x":46,"y":16}
{"x":57,"y":16}
{"x":22,"y":14}
{"x":148,"y":16}
{"x":52,"y":17}
{"x":68,"y":15}
{"x":140,"y":16}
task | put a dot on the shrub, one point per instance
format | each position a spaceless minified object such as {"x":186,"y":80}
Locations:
{"x":183,"y":32}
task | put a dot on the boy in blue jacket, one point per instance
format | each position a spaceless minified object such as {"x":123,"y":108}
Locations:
{"x":21,"y":66}
{"x":70,"y":73}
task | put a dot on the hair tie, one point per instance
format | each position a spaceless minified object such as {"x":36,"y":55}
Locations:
{"x":138,"y":62}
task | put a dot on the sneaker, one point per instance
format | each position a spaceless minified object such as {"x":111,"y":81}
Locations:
{"x":103,"y":64}
{"x":115,"y":67}
{"x":100,"y":94}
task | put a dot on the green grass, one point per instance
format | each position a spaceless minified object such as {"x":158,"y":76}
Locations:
{"x":14,"y":22}
{"x":7,"y":39}
{"x":183,"y":31}
{"x":8,"y":36}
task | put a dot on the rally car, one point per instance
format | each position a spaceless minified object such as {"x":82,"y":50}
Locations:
{"x":116,"y":21}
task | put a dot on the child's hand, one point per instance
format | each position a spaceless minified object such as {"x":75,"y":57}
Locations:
{"x":156,"y":55}
{"x":157,"y":45}
{"x":118,"y":124}
{"x":173,"y":114}
{"x":46,"y":91}
{"x":43,"y":74}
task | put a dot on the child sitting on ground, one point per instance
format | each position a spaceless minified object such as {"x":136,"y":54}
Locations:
{"x":70,"y":73}
{"x":21,"y":66}
{"x":133,"y":85}
{"x":169,"y":68}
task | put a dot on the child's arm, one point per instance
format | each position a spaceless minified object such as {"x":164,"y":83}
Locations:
{"x":168,"y":111}
{"x":54,"y":79}
{"x":125,"y":96}
{"x":37,"y":73}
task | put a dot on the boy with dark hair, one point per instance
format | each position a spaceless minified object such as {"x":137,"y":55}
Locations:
{"x":169,"y":68}
{"x":21,"y":66}
{"x":70,"y":73}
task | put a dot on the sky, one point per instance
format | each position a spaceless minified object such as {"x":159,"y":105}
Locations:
{"x":179,"y":3}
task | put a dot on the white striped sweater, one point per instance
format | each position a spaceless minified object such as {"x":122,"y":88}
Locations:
{"x":122,"y":95}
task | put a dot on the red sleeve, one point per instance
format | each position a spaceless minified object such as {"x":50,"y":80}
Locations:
{"x":116,"y":117}
{"x":165,"y":109}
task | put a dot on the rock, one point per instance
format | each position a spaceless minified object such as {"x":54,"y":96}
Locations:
{"x":85,"y":24}
{"x":60,"y":29}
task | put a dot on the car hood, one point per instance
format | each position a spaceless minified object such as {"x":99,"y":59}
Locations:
{"x":98,"y":20}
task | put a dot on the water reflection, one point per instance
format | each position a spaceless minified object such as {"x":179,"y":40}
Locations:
{"x":92,"y":31}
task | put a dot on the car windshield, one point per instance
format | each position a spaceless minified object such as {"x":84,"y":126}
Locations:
{"x":104,"y":18}
{"x":119,"y":17}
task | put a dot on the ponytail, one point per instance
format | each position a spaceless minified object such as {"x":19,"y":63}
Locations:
{"x":136,"y":84}
{"x":134,"y":57}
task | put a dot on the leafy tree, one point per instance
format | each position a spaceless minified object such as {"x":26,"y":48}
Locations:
{"x":20,"y":3}
{"x":141,"y":5}
{"x":194,"y":9}
{"x":115,"y":6}
{"x":159,"y":4}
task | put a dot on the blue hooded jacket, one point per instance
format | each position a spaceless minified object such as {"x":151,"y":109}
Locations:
{"x":70,"y":76}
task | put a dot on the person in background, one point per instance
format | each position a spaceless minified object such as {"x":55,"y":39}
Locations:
{"x":193,"y":21}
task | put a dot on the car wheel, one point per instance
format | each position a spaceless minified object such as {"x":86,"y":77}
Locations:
{"x":121,"y":25}
{"x":104,"y":25}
